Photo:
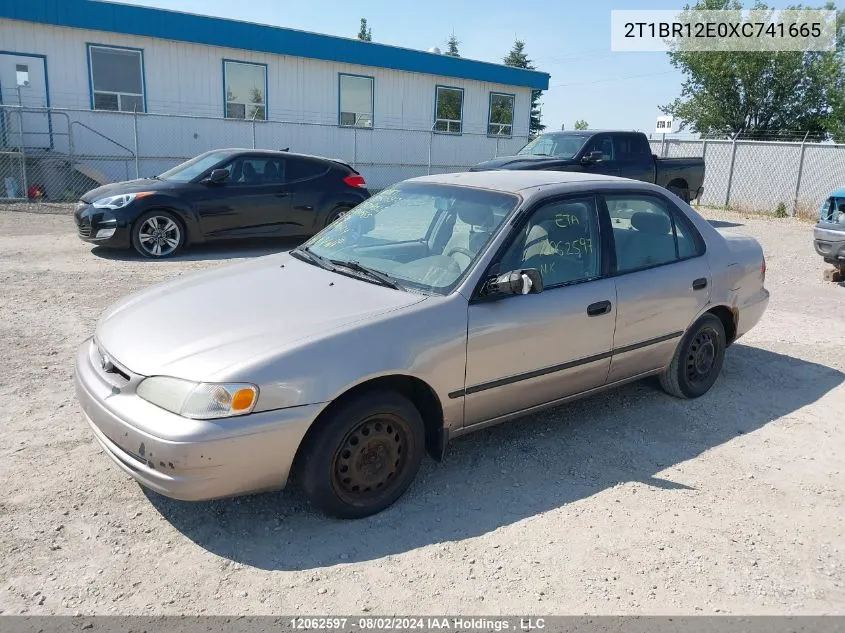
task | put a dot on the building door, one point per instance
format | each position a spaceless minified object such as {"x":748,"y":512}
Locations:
{"x":23,"y":82}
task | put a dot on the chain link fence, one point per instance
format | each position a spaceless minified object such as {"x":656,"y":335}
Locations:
{"x":759,"y":176}
{"x":54,"y":155}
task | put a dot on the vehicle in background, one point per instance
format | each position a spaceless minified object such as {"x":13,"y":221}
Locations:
{"x":829,"y":233}
{"x":440,"y":306}
{"x":221,"y":194}
{"x":610,"y":153}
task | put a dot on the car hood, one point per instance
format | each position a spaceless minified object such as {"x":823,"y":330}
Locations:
{"x":128,"y":186}
{"x":199,"y":326}
{"x":525,"y":161}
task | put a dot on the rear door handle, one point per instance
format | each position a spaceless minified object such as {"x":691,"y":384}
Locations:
{"x":699,"y":284}
{"x":596,"y":309}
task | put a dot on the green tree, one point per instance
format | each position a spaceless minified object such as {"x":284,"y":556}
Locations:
{"x":581,"y":124}
{"x":452,"y":46}
{"x":365,"y":34}
{"x":784,"y":94}
{"x":519,"y":59}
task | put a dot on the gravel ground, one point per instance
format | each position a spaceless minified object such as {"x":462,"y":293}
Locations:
{"x":628,"y":502}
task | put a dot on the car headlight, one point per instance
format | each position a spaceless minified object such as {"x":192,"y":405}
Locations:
{"x":118,"y":202}
{"x":199,"y":400}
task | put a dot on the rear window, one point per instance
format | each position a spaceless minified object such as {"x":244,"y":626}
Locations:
{"x":299,"y":168}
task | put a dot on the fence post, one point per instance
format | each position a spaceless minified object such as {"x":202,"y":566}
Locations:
{"x":135,"y":131}
{"x":800,"y":173}
{"x":497,"y":147}
{"x":355,"y":147}
{"x":430,"y":143}
{"x":25,"y":191}
{"x":254,"y":114}
{"x":663,"y":146}
{"x":731,"y":171}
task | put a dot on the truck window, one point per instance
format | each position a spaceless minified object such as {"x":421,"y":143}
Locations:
{"x":631,"y":147}
{"x":601,"y":143}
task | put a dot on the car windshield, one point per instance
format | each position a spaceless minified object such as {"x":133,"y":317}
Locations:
{"x":833,"y":210}
{"x":561,"y":145}
{"x":190,"y":169}
{"x":422,"y":236}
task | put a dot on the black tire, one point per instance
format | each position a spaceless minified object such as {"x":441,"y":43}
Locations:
{"x":335,"y":213}
{"x":683,"y":194}
{"x":363,"y":455}
{"x":697,"y":360}
{"x":158,"y":235}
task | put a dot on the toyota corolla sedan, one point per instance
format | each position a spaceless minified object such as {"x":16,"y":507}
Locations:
{"x":440,"y":306}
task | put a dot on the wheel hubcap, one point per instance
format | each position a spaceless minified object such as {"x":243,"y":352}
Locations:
{"x":371,"y":456}
{"x":159,"y":236}
{"x":701,"y":357}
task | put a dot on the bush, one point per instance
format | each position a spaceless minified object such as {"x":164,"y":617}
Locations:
{"x":780,"y":210}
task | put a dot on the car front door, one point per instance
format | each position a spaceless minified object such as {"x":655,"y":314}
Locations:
{"x":528,"y":350}
{"x":662,"y":280}
{"x":609,"y":164}
{"x":253,"y":201}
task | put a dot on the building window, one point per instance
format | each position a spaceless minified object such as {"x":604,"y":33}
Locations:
{"x":500,"y":117}
{"x":448,"y":110}
{"x":356,"y":100}
{"x":117,"y":78}
{"x":246,"y":90}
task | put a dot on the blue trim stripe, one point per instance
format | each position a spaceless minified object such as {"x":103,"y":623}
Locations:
{"x":197,"y":29}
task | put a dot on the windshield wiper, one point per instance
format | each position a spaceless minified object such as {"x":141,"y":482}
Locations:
{"x":382,"y":278}
{"x":311,"y":256}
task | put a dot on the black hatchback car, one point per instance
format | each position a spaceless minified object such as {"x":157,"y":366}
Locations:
{"x":221,"y":194}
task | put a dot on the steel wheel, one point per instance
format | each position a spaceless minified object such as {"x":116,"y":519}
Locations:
{"x":701,"y":357}
{"x":370,"y":457}
{"x":159,"y":236}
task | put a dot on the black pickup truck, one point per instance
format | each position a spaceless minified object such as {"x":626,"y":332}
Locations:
{"x":616,"y":153}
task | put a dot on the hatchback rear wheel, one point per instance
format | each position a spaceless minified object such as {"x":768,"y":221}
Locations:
{"x":363,"y":455}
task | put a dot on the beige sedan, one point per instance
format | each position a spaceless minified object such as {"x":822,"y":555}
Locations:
{"x":440,"y":306}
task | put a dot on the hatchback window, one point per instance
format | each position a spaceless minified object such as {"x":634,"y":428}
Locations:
{"x":256,"y":170}
{"x":300,"y":169}
{"x":425,"y":236}
{"x":190,"y":169}
{"x":646,"y":233}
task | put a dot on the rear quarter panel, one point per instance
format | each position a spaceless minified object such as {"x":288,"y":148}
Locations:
{"x":690,"y":170}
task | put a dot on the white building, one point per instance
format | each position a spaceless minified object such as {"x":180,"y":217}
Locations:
{"x":336,"y":96}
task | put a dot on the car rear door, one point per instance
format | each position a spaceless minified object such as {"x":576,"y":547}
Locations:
{"x":662,"y":280}
{"x":528,"y":350}
{"x":254,"y":201}
{"x":633,"y":157}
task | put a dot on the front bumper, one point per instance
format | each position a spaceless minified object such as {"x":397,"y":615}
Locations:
{"x":91,"y":223}
{"x":829,"y":242}
{"x":180,"y":458}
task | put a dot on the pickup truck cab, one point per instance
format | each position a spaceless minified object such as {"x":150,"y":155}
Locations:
{"x":612,"y":153}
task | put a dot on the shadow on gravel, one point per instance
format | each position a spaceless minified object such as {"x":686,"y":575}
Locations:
{"x":240,"y":249}
{"x":517,"y":470}
{"x":720,"y":224}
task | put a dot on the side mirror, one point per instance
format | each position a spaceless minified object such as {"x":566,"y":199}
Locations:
{"x":218,"y":176}
{"x":593,"y":157}
{"x":516,"y":282}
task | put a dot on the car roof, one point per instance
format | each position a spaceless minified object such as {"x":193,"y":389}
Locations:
{"x":515,"y":180}
{"x":277,"y":152}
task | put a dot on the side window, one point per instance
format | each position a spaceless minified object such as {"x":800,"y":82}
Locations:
{"x":256,"y":170}
{"x":631,"y":147}
{"x":561,"y":240}
{"x":601,"y":143}
{"x":300,"y":169}
{"x":646,"y":233}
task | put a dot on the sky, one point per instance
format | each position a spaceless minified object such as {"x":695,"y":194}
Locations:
{"x":568,"y":39}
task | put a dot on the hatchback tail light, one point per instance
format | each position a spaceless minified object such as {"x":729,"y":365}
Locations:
{"x":356,"y":180}
{"x":763,"y":268}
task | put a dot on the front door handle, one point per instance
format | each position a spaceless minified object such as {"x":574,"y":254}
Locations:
{"x":699,"y":284}
{"x":596,"y":309}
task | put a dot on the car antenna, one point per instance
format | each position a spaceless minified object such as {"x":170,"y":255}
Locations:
{"x":285,"y":149}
